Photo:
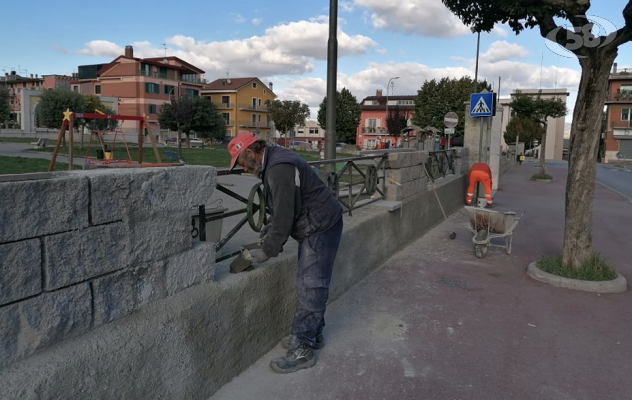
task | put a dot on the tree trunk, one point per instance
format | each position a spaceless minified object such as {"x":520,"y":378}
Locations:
{"x":584,"y":143}
{"x":179,"y":142}
{"x":543,"y":148}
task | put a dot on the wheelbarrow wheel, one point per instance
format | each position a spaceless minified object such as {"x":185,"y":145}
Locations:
{"x":480,"y":250}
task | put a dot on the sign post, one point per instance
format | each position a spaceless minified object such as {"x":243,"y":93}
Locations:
{"x":481,"y":105}
{"x":450,"y":120}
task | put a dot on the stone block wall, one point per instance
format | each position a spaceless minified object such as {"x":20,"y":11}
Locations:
{"x":408,"y":176}
{"x":85,"y":248}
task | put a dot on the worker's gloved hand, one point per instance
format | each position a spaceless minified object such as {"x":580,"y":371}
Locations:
{"x":258,"y":256}
{"x":264,"y":231}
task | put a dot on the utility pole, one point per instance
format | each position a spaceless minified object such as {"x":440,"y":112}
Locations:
{"x":332,"y":78}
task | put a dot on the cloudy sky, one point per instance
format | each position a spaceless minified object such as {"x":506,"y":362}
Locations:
{"x":285,"y":42}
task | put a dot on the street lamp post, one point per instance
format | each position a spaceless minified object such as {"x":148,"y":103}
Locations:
{"x":387,"y":85}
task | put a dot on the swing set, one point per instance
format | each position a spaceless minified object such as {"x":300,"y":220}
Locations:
{"x":108,"y":159}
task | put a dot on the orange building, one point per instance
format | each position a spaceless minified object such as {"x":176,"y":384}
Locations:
{"x":242,"y":103}
{"x":372,"y":129}
{"x":142,"y":85}
{"x":618,"y":135}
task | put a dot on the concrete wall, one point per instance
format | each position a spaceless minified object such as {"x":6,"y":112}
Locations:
{"x":111,"y":326}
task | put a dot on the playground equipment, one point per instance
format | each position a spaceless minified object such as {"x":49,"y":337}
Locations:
{"x":108,"y":156}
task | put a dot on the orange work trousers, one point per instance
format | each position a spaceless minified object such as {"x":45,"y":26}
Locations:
{"x":480,"y":172}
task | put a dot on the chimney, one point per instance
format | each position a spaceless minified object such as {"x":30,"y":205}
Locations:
{"x":31,"y":76}
{"x":271,"y":86}
{"x":129,"y":51}
{"x":378,"y":93}
{"x":614,"y":68}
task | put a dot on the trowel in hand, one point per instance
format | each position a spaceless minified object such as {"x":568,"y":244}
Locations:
{"x":243,"y":262}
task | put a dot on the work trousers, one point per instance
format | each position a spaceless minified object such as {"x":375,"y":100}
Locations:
{"x":484,"y":178}
{"x":316,"y":255}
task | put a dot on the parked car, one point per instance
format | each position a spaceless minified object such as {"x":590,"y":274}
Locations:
{"x":300,"y":145}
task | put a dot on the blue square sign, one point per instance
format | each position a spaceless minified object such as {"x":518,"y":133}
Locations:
{"x":482,"y":104}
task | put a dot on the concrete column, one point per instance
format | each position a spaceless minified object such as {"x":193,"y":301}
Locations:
{"x":471,"y":135}
{"x":495,"y":144}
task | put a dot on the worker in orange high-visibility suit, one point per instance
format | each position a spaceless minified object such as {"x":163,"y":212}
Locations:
{"x":480,"y":172}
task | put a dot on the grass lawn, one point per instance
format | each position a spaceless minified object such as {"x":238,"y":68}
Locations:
{"x":23,"y":165}
{"x":216,"y":156}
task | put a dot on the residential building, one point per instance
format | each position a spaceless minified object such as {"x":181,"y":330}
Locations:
{"x":142,"y":85}
{"x":311,"y":132}
{"x":372,"y":128}
{"x":618,"y":135}
{"x":555,"y":126}
{"x":242,"y":103}
{"x":24,"y":94}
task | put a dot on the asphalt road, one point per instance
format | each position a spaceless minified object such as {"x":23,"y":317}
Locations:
{"x":616,"y":178}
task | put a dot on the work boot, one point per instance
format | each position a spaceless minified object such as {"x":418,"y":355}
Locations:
{"x":295,"y":359}
{"x":320,"y":342}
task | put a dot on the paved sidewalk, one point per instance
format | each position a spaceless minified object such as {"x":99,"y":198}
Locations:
{"x":435,"y":322}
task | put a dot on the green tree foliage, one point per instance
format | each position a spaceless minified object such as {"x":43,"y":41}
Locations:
{"x":396,"y":120}
{"x":595,"y":55}
{"x":207,"y":121}
{"x":53,"y":103}
{"x":5,"y":106}
{"x":538,"y":110}
{"x":437,"y":98}
{"x":197,"y":114}
{"x":348,"y":113}
{"x":287,"y":114}
{"x":525,"y":129}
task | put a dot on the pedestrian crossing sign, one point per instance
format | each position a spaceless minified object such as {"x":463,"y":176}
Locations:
{"x":482,"y":104}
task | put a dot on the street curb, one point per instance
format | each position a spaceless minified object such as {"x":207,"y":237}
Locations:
{"x":617,"y":285}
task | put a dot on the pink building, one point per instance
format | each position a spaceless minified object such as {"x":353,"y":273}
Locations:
{"x":372,"y":130}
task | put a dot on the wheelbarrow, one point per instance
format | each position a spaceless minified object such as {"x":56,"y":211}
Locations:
{"x":486,"y":225}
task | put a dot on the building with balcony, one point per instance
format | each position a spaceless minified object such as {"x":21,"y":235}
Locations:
{"x":555,"y":126}
{"x":24,"y":94}
{"x":242,"y":103}
{"x":372,"y":128}
{"x":618,"y":135}
{"x":142,"y":85}
{"x":310,"y":132}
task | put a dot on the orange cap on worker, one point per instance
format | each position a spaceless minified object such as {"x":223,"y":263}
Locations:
{"x":238,"y":144}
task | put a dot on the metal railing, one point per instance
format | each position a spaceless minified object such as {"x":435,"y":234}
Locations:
{"x":253,"y":107}
{"x":255,"y":124}
{"x":356,"y":183}
{"x":374,"y":130}
{"x":440,"y":163}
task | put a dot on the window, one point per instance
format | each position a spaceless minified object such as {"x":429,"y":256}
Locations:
{"x":371,"y":122}
{"x":152,"y":109}
{"x":75,"y":88}
{"x":259,"y":103}
{"x":313,"y":131}
{"x":625,"y":114}
{"x":192,"y":93}
{"x":265,"y":91}
{"x":151,"y":87}
{"x":163,"y":72}
{"x":97,"y":89}
{"x":405,"y":102}
{"x":226,"y":100}
{"x":170,"y":90}
{"x":254,"y":85}
{"x":226,"y":117}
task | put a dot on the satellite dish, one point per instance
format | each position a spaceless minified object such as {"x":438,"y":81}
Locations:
{"x":228,"y":81}
{"x":619,"y":155}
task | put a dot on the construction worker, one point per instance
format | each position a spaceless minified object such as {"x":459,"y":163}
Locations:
{"x":302,"y":207}
{"x":480,"y":172}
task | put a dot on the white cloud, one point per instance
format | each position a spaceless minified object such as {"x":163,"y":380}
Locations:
{"x":256,"y":21}
{"x":346,"y":6}
{"x":420,"y":17}
{"x":503,"y":50}
{"x":238,"y":18}
{"x":500,"y":31}
{"x":287,"y":49}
